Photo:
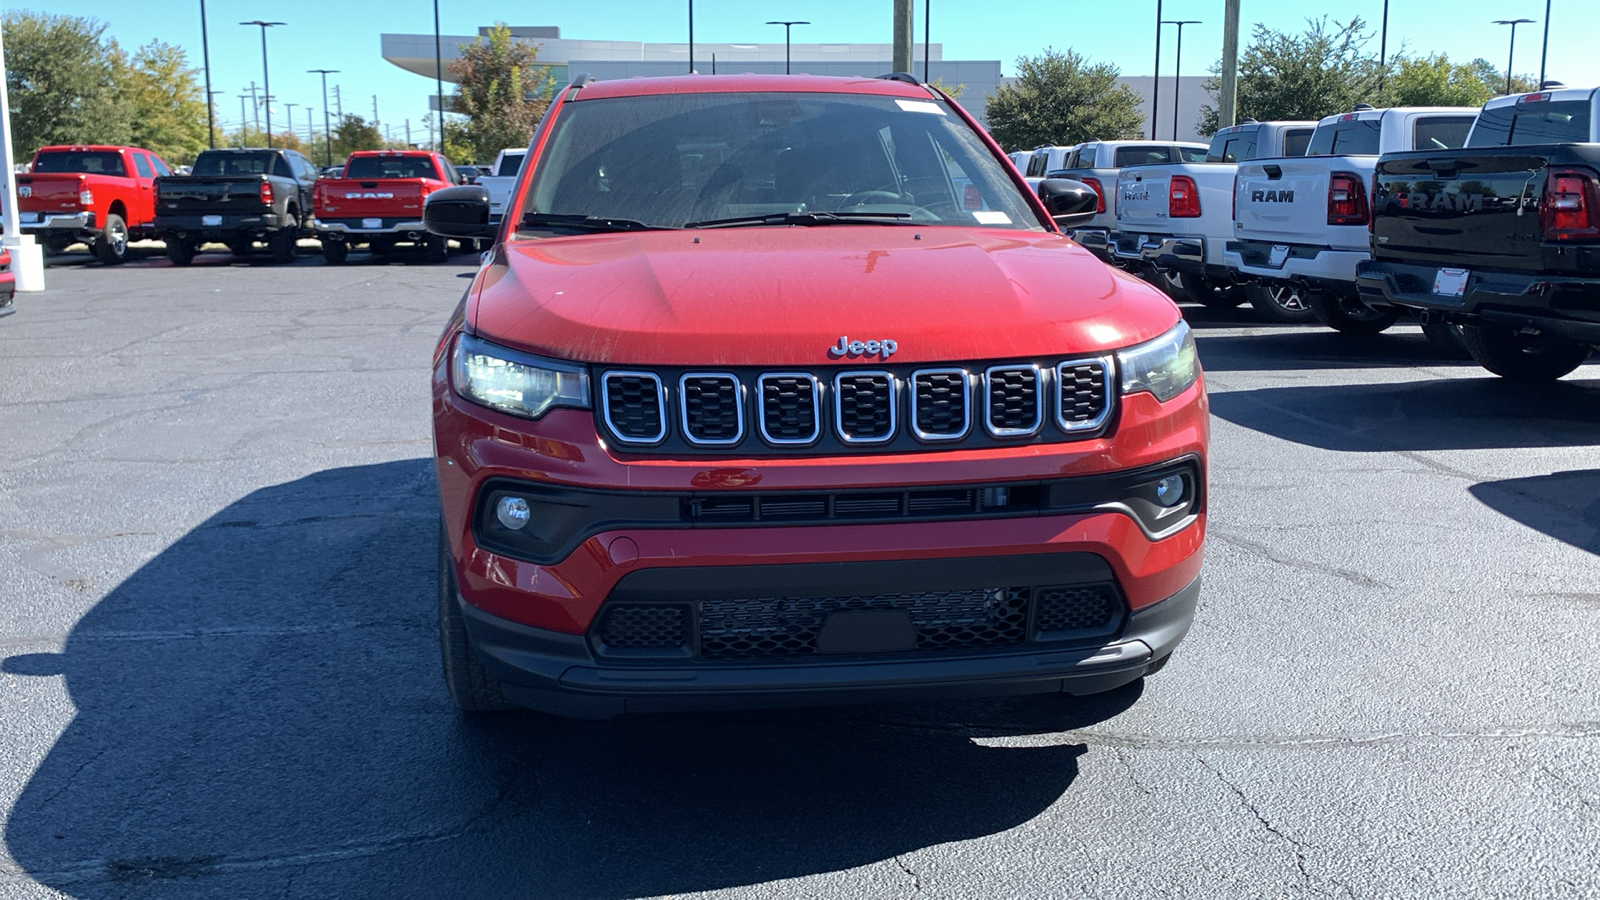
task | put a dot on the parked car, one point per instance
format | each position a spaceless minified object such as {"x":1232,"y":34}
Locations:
{"x":8,"y":284}
{"x":730,"y":310}
{"x":1097,"y":164}
{"x":99,"y":194}
{"x":377,"y":203}
{"x":1501,"y":238}
{"x":1301,"y":223}
{"x":506,"y":167}
{"x":236,"y":197}
{"x":1173,"y":221}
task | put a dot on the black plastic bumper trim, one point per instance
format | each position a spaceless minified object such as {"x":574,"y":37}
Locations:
{"x":1523,"y":299}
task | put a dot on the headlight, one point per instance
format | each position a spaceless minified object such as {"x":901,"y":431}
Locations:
{"x":1165,"y":367}
{"x":517,"y":383}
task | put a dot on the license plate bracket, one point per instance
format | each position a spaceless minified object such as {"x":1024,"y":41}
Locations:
{"x":211,"y":221}
{"x":371,"y":223}
{"x":1451,"y":282}
{"x":1277,"y":255}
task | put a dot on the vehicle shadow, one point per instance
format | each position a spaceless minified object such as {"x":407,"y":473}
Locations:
{"x":1400,"y":347}
{"x":1563,"y":505}
{"x":259,"y":708}
{"x":1447,"y":414}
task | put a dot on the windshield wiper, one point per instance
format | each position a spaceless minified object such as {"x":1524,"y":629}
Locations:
{"x":585,"y":223}
{"x":805,"y":218}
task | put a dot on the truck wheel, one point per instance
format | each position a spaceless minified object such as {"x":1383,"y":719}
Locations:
{"x":282,"y":244}
{"x":111,"y":246}
{"x":470,"y":685}
{"x":1522,"y":357}
{"x":335,"y":252}
{"x":180,"y":252}
{"x":437,"y":248}
{"x":1280,"y":301}
{"x":241,"y":247}
{"x":1211,"y":295}
{"x":1446,"y":340}
{"x":1345,"y":313}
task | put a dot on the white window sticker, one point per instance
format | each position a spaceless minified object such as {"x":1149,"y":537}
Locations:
{"x":991,"y":217}
{"x":922,"y":106}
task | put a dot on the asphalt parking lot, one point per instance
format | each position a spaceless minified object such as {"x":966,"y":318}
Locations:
{"x":219,"y":666}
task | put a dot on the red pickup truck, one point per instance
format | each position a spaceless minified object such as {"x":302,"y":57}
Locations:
{"x":378,"y":202}
{"x":101,"y":195}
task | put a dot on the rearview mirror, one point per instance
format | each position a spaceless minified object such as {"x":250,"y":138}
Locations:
{"x":459,"y":212}
{"x":1070,"y":203}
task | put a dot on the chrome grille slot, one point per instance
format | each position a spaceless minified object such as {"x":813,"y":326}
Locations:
{"x":634,"y":405}
{"x":1011,"y":400}
{"x":1083,"y":394}
{"x":788,"y":413}
{"x":864,"y":407}
{"x":939,"y":407}
{"x":712,"y":405}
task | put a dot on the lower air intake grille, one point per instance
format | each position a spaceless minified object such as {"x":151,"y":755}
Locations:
{"x":788,"y":626}
{"x":1076,"y":608}
{"x":643,"y":626}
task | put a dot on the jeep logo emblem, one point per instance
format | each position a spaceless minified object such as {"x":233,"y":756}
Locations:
{"x":369,"y":196}
{"x":1260,"y":196}
{"x":847,"y":347}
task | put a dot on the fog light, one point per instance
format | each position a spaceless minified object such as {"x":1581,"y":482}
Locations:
{"x":1169,"y":491}
{"x":512,"y":512}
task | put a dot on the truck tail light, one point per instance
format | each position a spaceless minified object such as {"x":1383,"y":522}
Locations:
{"x":86,"y":197}
{"x":1347,"y":200}
{"x":1233,"y":211}
{"x":1183,"y":198}
{"x":266,"y":193}
{"x":1099,"y":192}
{"x":1570,"y":208}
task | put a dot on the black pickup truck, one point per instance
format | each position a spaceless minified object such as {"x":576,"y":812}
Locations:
{"x":236,"y":197}
{"x":1502,"y":237}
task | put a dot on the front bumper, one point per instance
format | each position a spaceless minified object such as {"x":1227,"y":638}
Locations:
{"x":76,"y":224}
{"x":1559,"y":305}
{"x":1327,"y":268}
{"x":220,"y":228}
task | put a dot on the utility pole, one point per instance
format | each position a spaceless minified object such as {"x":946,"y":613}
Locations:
{"x":1155,"y":82}
{"x":291,"y":107}
{"x":327,"y":135}
{"x":1228,"y":99}
{"x":338,"y":102}
{"x":311,"y":130}
{"x":266,"y":72}
{"x":408,"y":132}
{"x":374,"y":110}
{"x":904,"y":25}
{"x":244,"y":118}
{"x":438,"y":72}
{"x":205,"y":50}
{"x":255,"y":104}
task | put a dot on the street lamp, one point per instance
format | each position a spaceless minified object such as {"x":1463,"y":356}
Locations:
{"x":1177,"y":70}
{"x":438,"y":74}
{"x":211,"y":115}
{"x":1544,"y":51}
{"x":1513,"y":54}
{"x":1155,"y":81}
{"x":786,"y":27}
{"x":205,"y":52}
{"x":327,"y":139}
{"x":266,"y":80}
{"x":1383,"y":45}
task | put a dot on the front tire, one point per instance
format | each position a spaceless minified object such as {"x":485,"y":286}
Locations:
{"x":1280,"y":301}
{"x":1347,"y":314}
{"x":1522,"y":357}
{"x":1209,"y":294}
{"x":180,"y":252}
{"x":282,"y":244}
{"x":472,"y":688}
{"x":111,"y":247}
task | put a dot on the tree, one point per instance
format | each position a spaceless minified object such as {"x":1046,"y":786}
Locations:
{"x":163,"y":100}
{"x":1324,"y":70}
{"x":502,"y":92}
{"x":1060,"y":98}
{"x":354,"y":133}
{"x":62,"y":80}
{"x":1436,"y":81}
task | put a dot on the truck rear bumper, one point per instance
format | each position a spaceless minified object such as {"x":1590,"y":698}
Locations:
{"x":59,"y":223}
{"x":219,"y":227}
{"x":338,"y":229}
{"x":1559,"y":305}
{"x":1186,"y":255}
{"x":1323,"y":267}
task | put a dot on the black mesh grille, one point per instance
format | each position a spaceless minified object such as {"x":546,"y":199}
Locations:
{"x":711,"y":408}
{"x":1084,"y":397}
{"x":788,"y":626}
{"x":865,"y":406}
{"x":643,"y":626}
{"x":1077,"y":607}
{"x":788,"y":407}
{"x":633,"y":403}
{"x":941,"y":399}
{"x":1013,"y":399}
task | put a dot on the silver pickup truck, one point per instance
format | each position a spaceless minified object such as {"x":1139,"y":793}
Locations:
{"x":1097,"y":164}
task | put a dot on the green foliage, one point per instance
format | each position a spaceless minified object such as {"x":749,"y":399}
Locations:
{"x":1321,"y":71}
{"x":62,"y":80}
{"x":954,"y":90}
{"x":1061,"y":98}
{"x":163,"y":99}
{"x":354,"y":133}
{"x":501,"y":91}
{"x":1436,"y":81}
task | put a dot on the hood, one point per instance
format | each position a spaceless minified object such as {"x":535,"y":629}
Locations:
{"x":776,"y":296}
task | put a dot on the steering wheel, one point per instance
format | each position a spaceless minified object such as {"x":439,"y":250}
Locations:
{"x":882,"y":194}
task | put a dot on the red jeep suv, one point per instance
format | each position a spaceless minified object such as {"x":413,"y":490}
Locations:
{"x":784,"y":390}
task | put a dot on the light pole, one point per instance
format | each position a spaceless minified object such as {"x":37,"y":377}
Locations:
{"x":786,"y":27}
{"x":327,"y":139}
{"x":438,"y":72}
{"x":1155,"y":81}
{"x":211,"y":115}
{"x":927,"y":28}
{"x":1544,"y":52}
{"x":1512,"y":55}
{"x":205,"y":54}
{"x":1383,"y":44}
{"x":1177,"y":69}
{"x":266,"y":79}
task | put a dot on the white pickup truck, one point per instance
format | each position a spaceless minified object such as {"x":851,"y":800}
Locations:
{"x":1176,"y":219}
{"x":1301,"y":224}
{"x":1097,"y":163}
{"x":499,"y":185}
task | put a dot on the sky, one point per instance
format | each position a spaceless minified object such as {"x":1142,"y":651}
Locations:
{"x":344,"y":35}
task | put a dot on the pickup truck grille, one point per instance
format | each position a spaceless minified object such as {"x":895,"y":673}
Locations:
{"x":856,"y":410}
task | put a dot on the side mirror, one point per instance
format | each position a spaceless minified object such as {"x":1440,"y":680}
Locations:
{"x":458,"y":212}
{"x":1070,"y":203}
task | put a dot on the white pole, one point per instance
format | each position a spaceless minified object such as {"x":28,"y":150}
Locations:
{"x":27,"y":257}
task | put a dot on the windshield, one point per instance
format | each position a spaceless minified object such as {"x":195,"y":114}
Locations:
{"x":390,"y":167}
{"x":233,"y":164}
{"x":93,"y":162}
{"x":1546,"y":122}
{"x":665,"y":161}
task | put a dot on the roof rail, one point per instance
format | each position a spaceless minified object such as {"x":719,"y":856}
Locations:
{"x":906,"y":77}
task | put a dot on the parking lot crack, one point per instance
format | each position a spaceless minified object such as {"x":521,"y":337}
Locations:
{"x":916,"y":880}
{"x":1263,"y":550}
{"x":1295,"y":846}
